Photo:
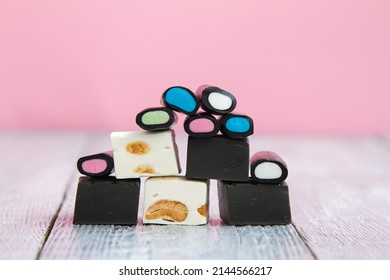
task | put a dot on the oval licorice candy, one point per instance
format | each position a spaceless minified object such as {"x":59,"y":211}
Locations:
{"x":159,"y":118}
{"x":268,"y":168}
{"x":216,"y":100}
{"x":98,"y":165}
{"x":180,"y":99}
{"x":236,"y":126}
{"x":201,"y":125}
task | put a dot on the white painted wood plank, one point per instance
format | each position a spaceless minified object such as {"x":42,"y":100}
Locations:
{"x":212,"y":241}
{"x":340,"y":193}
{"x":35,"y":170}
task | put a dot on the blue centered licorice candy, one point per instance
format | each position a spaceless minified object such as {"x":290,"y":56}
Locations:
{"x":180,"y":99}
{"x":236,"y":126}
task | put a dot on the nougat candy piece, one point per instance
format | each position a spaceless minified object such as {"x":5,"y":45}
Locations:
{"x":175,"y":200}
{"x":145,"y":153}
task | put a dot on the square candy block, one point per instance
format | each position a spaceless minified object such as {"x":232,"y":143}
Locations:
{"x":175,"y":200}
{"x":145,"y":154}
{"x":106,"y":201}
{"x":218,"y":157}
{"x":252,"y":203}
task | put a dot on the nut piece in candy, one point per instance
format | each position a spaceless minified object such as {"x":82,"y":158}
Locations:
{"x":144,"y":168}
{"x":169,"y":210}
{"x":138,"y":148}
{"x":202,"y":210}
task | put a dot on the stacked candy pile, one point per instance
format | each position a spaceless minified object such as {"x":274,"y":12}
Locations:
{"x":261,"y":199}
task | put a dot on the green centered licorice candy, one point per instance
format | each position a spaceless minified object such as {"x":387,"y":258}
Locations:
{"x":159,"y":118}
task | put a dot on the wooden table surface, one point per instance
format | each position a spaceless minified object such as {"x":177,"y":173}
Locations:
{"x":339,"y":192}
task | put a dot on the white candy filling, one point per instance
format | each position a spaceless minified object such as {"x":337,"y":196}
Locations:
{"x":191,"y":193}
{"x":220,"y":101}
{"x":268,"y":170}
{"x":158,"y":159}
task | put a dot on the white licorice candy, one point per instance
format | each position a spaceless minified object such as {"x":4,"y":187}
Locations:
{"x":175,"y":200}
{"x":145,"y":153}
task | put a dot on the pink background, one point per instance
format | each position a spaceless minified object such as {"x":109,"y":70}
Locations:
{"x":295,"y":66}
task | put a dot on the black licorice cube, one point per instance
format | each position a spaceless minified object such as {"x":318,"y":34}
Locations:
{"x":107,"y":201}
{"x":252,"y":203}
{"x":218,"y":157}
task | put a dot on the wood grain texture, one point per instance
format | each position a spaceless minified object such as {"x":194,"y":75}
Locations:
{"x":35,"y":171}
{"x":340,"y":193}
{"x":212,"y":241}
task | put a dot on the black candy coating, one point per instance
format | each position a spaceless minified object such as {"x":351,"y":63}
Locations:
{"x":218,"y":157}
{"x":107,"y":201}
{"x":208,"y":116}
{"x":252,"y":203}
{"x":231,"y":134}
{"x":205,"y":104}
{"x":107,"y":158}
{"x":171,"y":121}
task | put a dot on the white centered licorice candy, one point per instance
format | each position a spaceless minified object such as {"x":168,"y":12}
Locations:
{"x":219,"y":101}
{"x":215,"y":100}
{"x":146,"y":153}
{"x":268,"y":168}
{"x":175,"y":200}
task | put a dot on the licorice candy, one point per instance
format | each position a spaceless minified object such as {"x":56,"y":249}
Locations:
{"x":106,"y":201}
{"x":253,"y":203}
{"x":180,"y":99}
{"x":159,"y":118}
{"x":268,"y":168}
{"x":98,"y":165}
{"x":215,"y":100}
{"x":236,"y":126}
{"x":201,"y":125}
{"x":218,"y":157}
